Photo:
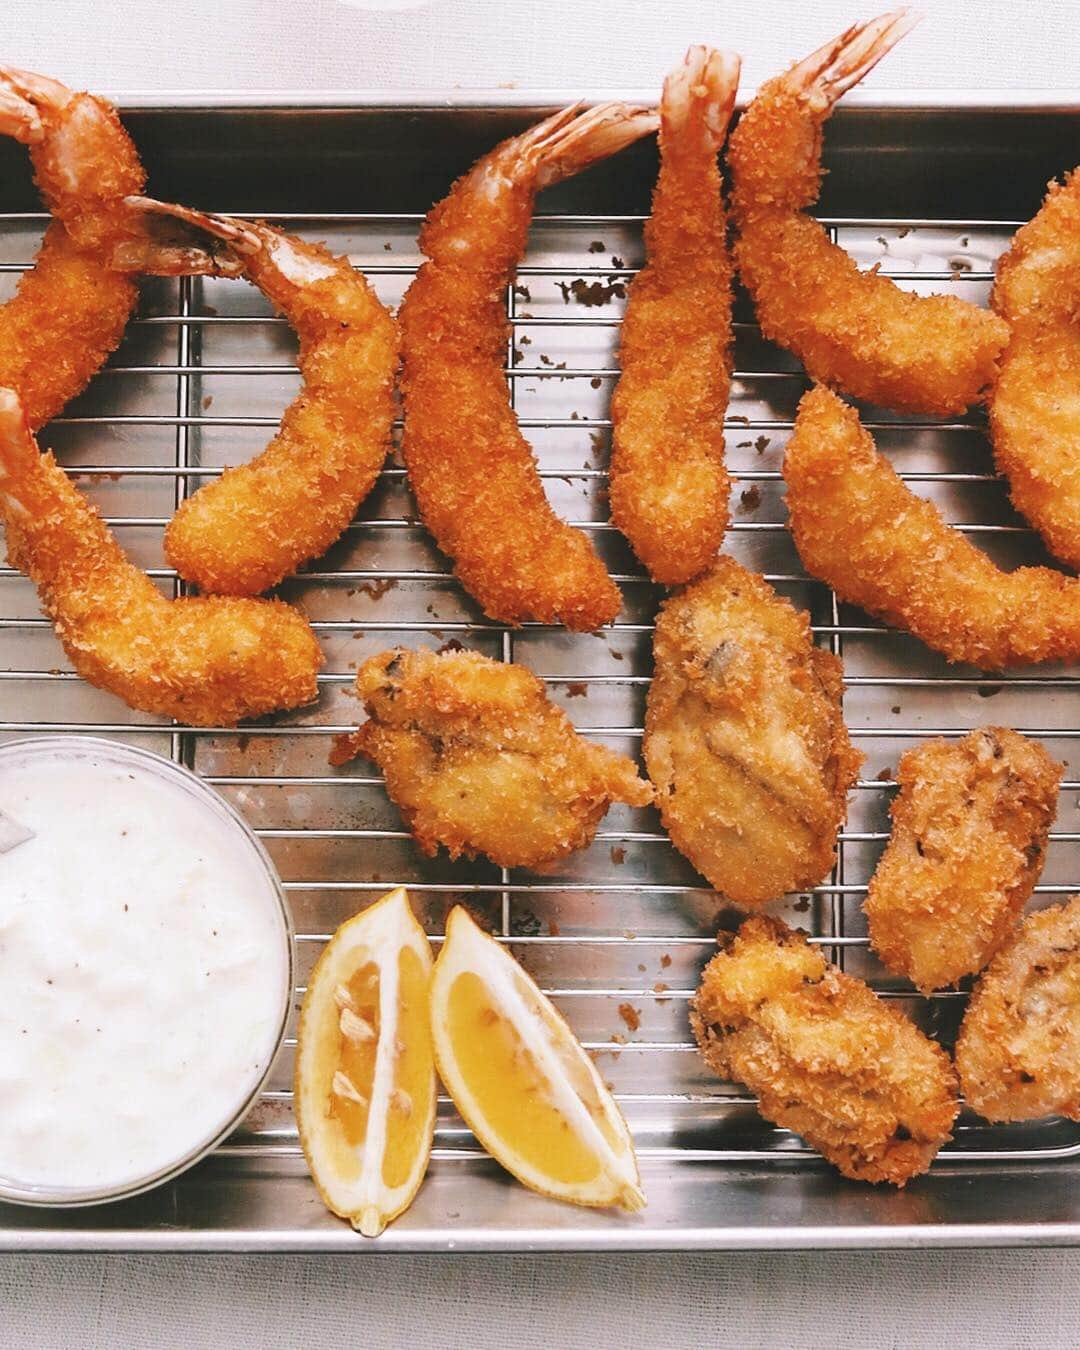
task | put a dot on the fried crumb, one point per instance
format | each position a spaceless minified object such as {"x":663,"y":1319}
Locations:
{"x":592,"y":294}
{"x":665,"y":961}
{"x":378,"y":587}
{"x":618,"y":854}
{"x":750,"y":497}
{"x":577,"y":689}
{"x":630,"y":1015}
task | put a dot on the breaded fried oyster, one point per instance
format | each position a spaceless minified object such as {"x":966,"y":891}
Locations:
{"x":826,"y":1057}
{"x":745,"y":741}
{"x":1018,"y":1053}
{"x":479,"y":760}
{"x":968,"y":845}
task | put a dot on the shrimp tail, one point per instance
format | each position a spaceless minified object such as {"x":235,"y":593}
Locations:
{"x":145,"y":252}
{"x":572,"y":140}
{"x":701,"y":92}
{"x":826,"y":75}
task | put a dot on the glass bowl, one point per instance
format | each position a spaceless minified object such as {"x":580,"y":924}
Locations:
{"x":145,"y":762}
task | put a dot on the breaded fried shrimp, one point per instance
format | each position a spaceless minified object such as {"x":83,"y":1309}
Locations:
{"x":256,"y":524}
{"x":478,"y":759}
{"x":827,"y":1058}
{"x":1018,"y":1052}
{"x":71,"y":307}
{"x":1035,"y":403}
{"x":472,"y":471}
{"x":861,"y":530}
{"x":669,"y":486}
{"x":745,"y":740}
{"x":854,"y":330}
{"x":208,"y":661}
{"x":968,"y":843}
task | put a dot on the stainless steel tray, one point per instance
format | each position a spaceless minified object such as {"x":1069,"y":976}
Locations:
{"x":618,"y":933}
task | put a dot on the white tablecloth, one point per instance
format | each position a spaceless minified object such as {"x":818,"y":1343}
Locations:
{"x":839,"y":1300}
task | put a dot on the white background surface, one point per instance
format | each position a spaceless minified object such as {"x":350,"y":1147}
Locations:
{"x":839,"y":1300}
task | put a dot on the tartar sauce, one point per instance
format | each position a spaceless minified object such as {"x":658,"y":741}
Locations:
{"x":144,"y":966}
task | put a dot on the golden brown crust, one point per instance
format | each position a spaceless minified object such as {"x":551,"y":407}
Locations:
{"x":256,"y":524}
{"x":827,"y":1058}
{"x":71,"y":307}
{"x":1018,"y":1053}
{"x":206,"y":660}
{"x":968,"y":843}
{"x":478,"y":759}
{"x":669,"y":487}
{"x":861,"y":530}
{"x":473,"y":473}
{"x":1035,"y":406}
{"x":857,"y":331}
{"x":744,"y":737}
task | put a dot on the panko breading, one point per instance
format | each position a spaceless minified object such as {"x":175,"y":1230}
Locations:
{"x":72,"y":306}
{"x":1035,"y":405}
{"x":968,"y":845}
{"x":206,"y":660}
{"x":745,"y":740}
{"x":255,"y":525}
{"x":859,"y":528}
{"x":1018,"y":1053}
{"x":855,"y":330}
{"x":826,"y":1057}
{"x":669,"y":487}
{"x":471,"y":470}
{"x":479,"y":760}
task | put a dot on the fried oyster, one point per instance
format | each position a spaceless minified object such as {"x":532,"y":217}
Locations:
{"x":1018,"y":1053}
{"x":478,"y":759}
{"x":826,"y":1057}
{"x":968,"y":844}
{"x":744,"y":738}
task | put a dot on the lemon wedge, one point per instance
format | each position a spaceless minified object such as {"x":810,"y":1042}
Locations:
{"x":365,"y":1076}
{"x":521,"y":1081}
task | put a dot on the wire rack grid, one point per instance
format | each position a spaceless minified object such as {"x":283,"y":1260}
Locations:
{"x":618,"y":934}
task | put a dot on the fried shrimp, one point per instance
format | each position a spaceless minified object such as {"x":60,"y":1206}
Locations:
{"x":745,"y":741}
{"x":204,"y":661}
{"x":669,"y":486}
{"x":71,"y":307}
{"x":855,"y":330}
{"x":256,"y":524}
{"x":827,"y":1058}
{"x":472,"y":471}
{"x":968,"y":845}
{"x":861,"y":530}
{"x":1035,"y":403}
{"x":478,"y":759}
{"x":1018,"y":1053}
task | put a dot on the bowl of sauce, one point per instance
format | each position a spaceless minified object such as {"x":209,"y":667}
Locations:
{"x":146,"y":958}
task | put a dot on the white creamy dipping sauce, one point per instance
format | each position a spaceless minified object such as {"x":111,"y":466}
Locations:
{"x":144,"y":964}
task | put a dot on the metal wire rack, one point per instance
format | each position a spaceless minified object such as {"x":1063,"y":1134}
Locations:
{"x":619,"y":933}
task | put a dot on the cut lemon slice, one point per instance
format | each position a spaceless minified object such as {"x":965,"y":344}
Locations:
{"x":522,"y":1083}
{"x":365,"y":1076}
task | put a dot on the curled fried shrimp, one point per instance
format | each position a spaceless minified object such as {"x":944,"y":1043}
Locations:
{"x":256,"y":524}
{"x":207,"y":661}
{"x":71,"y":307}
{"x":1035,"y":404}
{"x":472,"y":471}
{"x":669,"y":486}
{"x":854,"y":330}
{"x":859,"y":528}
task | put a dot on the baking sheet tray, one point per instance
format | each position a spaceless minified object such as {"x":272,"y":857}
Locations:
{"x":618,"y":933}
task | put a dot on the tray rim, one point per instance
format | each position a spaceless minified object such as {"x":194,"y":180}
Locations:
{"x":481,"y":99}
{"x":339,"y":1239}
